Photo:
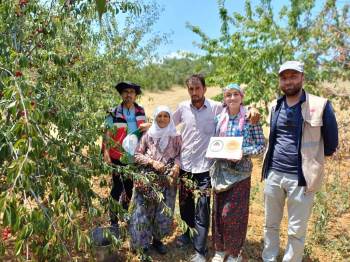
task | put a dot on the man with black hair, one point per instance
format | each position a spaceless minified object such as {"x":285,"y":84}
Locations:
{"x":303,"y":130}
{"x":198,"y":118}
{"x":126,"y":118}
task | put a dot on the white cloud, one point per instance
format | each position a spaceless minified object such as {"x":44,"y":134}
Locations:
{"x":178,"y":54}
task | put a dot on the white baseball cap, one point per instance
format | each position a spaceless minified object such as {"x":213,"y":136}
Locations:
{"x":292,"y":65}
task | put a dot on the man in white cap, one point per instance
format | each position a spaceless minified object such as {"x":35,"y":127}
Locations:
{"x":303,"y":130}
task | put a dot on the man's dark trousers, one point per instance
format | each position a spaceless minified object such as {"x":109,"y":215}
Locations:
{"x":197,"y":215}
{"x":120,"y":185}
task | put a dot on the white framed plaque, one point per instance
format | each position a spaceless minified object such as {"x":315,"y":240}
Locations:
{"x":225,"y":147}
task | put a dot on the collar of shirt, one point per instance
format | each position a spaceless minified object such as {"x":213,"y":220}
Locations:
{"x":205,"y":105}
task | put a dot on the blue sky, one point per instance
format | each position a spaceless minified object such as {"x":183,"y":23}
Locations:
{"x":202,"y":13}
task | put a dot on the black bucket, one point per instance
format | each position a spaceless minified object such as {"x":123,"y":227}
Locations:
{"x":101,"y":238}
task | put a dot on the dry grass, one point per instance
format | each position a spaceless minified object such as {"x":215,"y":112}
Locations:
{"x":171,"y":97}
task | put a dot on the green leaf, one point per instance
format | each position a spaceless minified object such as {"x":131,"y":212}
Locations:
{"x":2,"y":249}
{"x":101,"y":7}
{"x":46,"y":249}
{"x":27,"y":231}
{"x":19,"y":143}
{"x":23,"y":62}
{"x":7,"y":216}
{"x":18,"y":247}
{"x":12,"y":104}
{"x":14,"y":217}
{"x":78,"y":238}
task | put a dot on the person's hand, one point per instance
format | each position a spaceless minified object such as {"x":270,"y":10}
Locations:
{"x":158,"y":166}
{"x":175,"y":171}
{"x":106,"y":157}
{"x":253,"y":115}
{"x":308,"y":190}
{"x":145,"y":126}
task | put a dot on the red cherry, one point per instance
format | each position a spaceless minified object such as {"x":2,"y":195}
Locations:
{"x":6,"y":233}
{"x":18,"y":74}
{"x":23,"y":2}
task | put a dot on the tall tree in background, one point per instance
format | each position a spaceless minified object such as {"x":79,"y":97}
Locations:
{"x":253,"y":45}
{"x":172,"y":71}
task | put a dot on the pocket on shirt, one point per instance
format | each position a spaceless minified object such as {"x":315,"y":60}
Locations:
{"x":311,"y":131}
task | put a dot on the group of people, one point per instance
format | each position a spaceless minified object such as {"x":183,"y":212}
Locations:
{"x":303,"y":130}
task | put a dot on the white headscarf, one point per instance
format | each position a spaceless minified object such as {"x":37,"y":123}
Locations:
{"x":162,"y":133}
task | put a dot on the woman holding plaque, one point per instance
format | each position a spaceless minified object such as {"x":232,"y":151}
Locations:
{"x":231,"y":177}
